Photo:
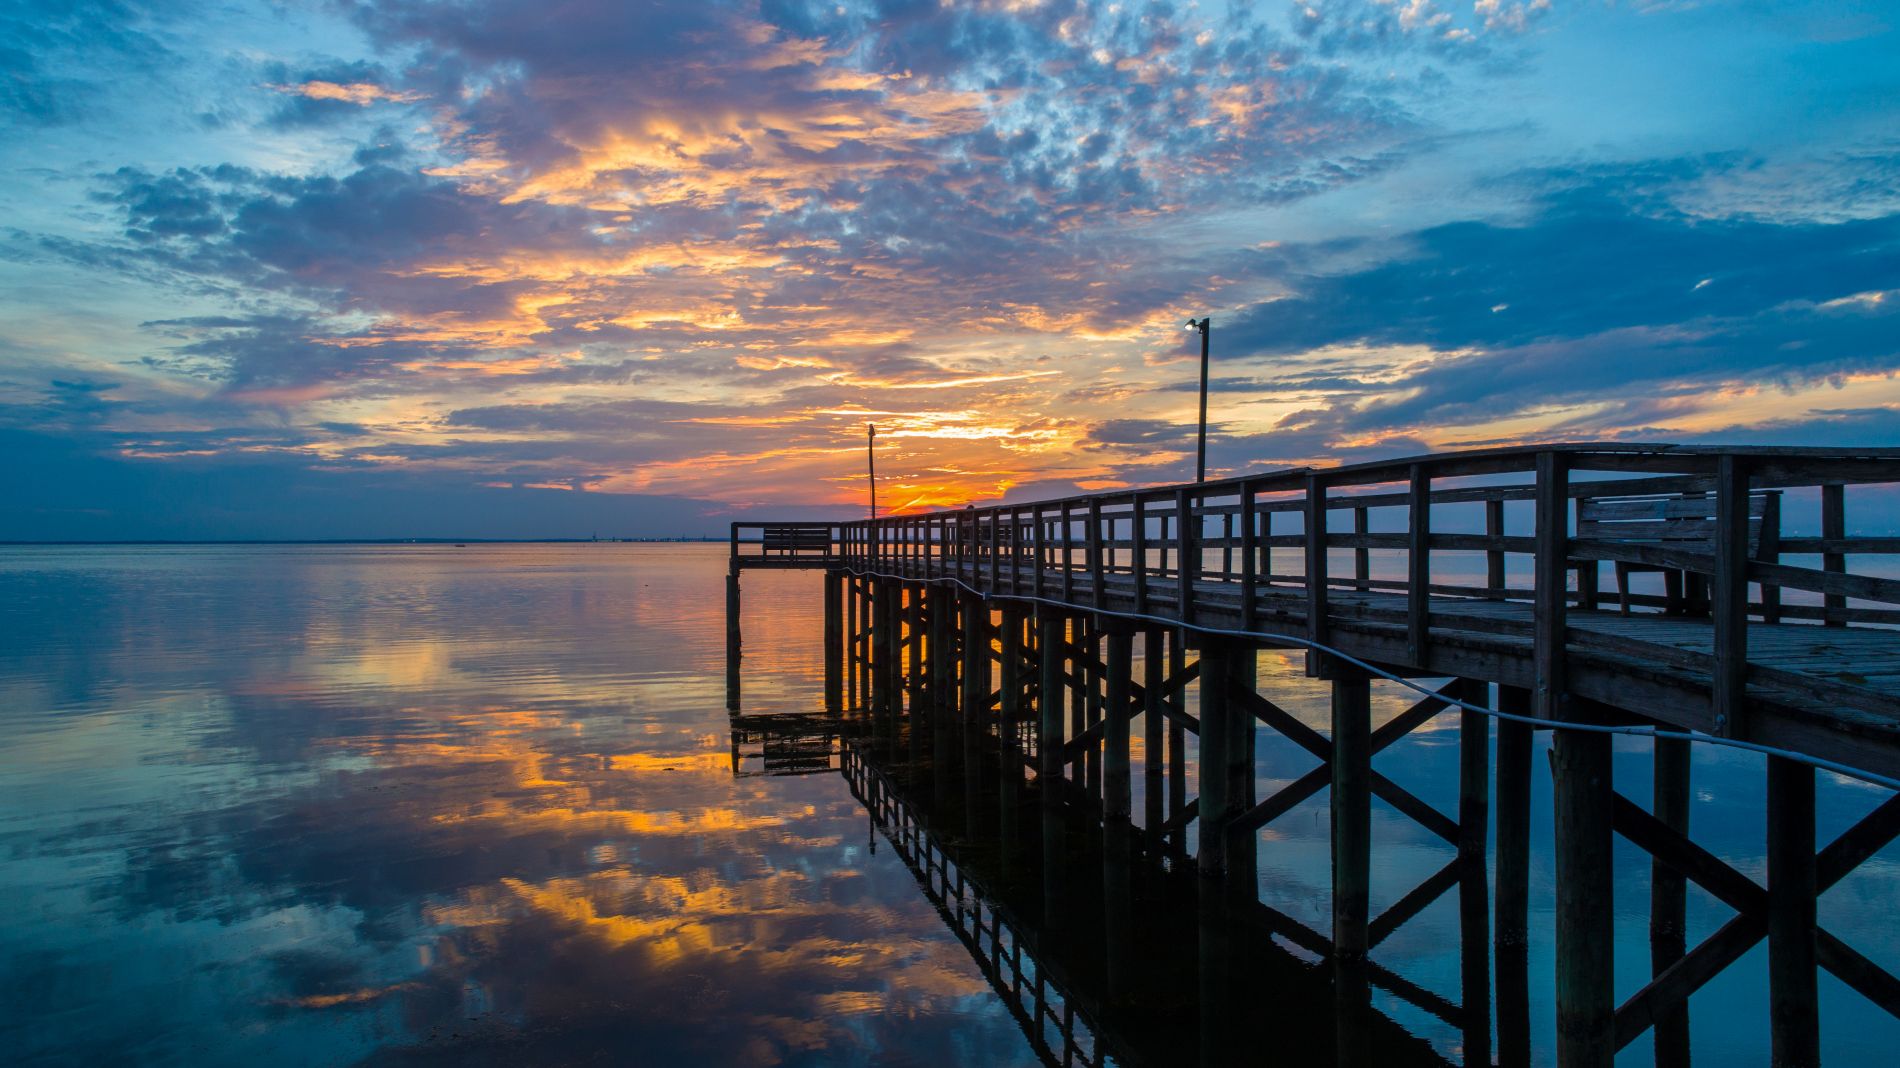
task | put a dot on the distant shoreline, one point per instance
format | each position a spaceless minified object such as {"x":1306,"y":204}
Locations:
{"x":363,"y":541}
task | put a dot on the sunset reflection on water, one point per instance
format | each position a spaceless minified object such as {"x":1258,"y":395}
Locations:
{"x":319,"y":805}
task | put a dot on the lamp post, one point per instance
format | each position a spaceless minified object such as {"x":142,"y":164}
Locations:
{"x":1200,"y":446}
{"x":870,"y":459}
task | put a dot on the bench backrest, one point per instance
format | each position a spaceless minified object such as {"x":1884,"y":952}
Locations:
{"x":1676,"y":520}
{"x":796,"y":539}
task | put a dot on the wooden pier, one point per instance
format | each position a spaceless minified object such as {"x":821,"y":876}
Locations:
{"x":1002,"y":638}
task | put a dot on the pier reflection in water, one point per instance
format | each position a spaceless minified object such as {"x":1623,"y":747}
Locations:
{"x":1110,"y":947}
{"x":324,"y":805}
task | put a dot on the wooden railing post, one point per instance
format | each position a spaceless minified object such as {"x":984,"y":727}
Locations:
{"x":1361,"y":555}
{"x":1494,"y":558}
{"x":1249,"y":596}
{"x":1834,"y":528}
{"x":1552,"y":543}
{"x":1184,"y":550}
{"x":1097,"y":588}
{"x":1418,"y":565}
{"x":1068,"y":557}
{"x":1138,"y":538}
{"x":1315,"y":567}
{"x":1041,"y":546}
{"x":1728,"y":594}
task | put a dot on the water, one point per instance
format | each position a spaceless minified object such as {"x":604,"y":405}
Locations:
{"x":426,"y":804}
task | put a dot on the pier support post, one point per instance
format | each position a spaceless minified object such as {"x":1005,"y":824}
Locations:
{"x":732,"y":638}
{"x":1008,"y":727}
{"x":916,"y":682}
{"x":1792,"y":885}
{"x":1586,"y":1006}
{"x":1668,"y":896}
{"x":1177,"y":740}
{"x":1512,"y":904}
{"x":1352,"y":856}
{"x":882,"y":695}
{"x":1117,"y":787}
{"x":1351,"y":807}
{"x":1049,"y":707}
{"x":943,"y":677}
{"x":1243,"y":869}
{"x":1474,"y":912}
{"x":976,"y":694}
{"x":1153,"y":715}
{"x":1214,"y":802}
{"x":834,"y":641}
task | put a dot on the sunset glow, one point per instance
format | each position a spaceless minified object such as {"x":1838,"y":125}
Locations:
{"x":412,"y":252}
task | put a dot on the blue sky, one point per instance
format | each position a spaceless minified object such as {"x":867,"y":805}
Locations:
{"x":507,"y":268}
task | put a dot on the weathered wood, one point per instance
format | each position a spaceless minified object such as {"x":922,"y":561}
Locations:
{"x":1414,"y":902}
{"x":1585,"y":922}
{"x":1050,"y":624}
{"x":1214,"y":805}
{"x":1728,"y":590}
{"x":1494,"y":555}
{"x":1418,"y":565}
{"x":1686,"y":976}
{"x":1315,"y":568}
{"x":1351,"y":809}
{"x":1857,"y":843}
{"x":834,"y":641}
{"x":1834,"y":528}
{"x":733,"y":647}
{"x":1474,"y":772}
{"x":1550,"y":695}
{"x":1668,"y":896}
{"x":1117,"y":789}
{"x":1153,"y":726}
{"x":1792,"y":887}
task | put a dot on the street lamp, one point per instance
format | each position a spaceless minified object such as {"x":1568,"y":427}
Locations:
{"x":1200,"y":447}
{"x":870,"y":459}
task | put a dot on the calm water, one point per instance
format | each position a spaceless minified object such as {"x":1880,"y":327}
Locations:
{"x":330,"y":805}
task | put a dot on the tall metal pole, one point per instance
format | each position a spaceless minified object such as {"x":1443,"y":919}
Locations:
{"x":870,"y":457}
{"x":1200,"y":448}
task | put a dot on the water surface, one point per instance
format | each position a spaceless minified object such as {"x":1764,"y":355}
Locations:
{"x":429,"y":804}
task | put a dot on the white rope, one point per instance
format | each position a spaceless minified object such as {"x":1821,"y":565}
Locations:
{"x":1554,"y":724}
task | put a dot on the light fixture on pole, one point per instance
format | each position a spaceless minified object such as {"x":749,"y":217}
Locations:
{"x":870,"y":459}
{"x":1200,"y":446}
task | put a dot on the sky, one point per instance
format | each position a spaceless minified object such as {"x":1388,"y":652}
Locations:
{"x":522,"y":268}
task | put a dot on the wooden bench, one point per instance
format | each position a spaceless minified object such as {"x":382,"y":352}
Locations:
{"x":795,"y":541}
{"x":1684,"y":522}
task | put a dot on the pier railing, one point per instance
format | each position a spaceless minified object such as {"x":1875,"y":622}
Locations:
{"x":1413,"y":550}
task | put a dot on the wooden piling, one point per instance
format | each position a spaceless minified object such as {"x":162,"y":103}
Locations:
{"x":1117,"y":790}
{"x":1050,"y":624}
{"x":1243,"y":674}
{"x":1351,"y":808}
{"x":1792,"y":886}
{"x":1214,"y":803}
{"x":1153,"y":730}
{"x":834,"y":641}
{"x":973,"y":709}
{"x":1668,"y":897}
{"x":732,"y":637}
{"x":1586,"y":930}
{"x":1513,"y":818}
{"x":1474,"y":770}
